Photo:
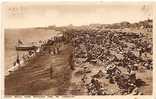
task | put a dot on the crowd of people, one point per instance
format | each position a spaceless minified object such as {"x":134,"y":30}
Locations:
{"x":113,"y":49}
{"x":125,"y":49}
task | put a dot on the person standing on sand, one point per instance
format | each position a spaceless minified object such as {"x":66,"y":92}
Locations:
{"x":71,"y":62}
{"x":57,"y":48}
{"x":51,"y":72}
{"x":18,"y":60}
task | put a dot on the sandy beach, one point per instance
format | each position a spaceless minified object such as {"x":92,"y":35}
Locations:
{"x":34,"y":78}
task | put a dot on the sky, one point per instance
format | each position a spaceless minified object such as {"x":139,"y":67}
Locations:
{"x":23,"y":15}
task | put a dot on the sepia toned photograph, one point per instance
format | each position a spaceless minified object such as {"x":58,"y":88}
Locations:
{"x":93,"y":49}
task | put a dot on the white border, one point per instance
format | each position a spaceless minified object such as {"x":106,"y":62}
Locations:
{"x":81,"y":1}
